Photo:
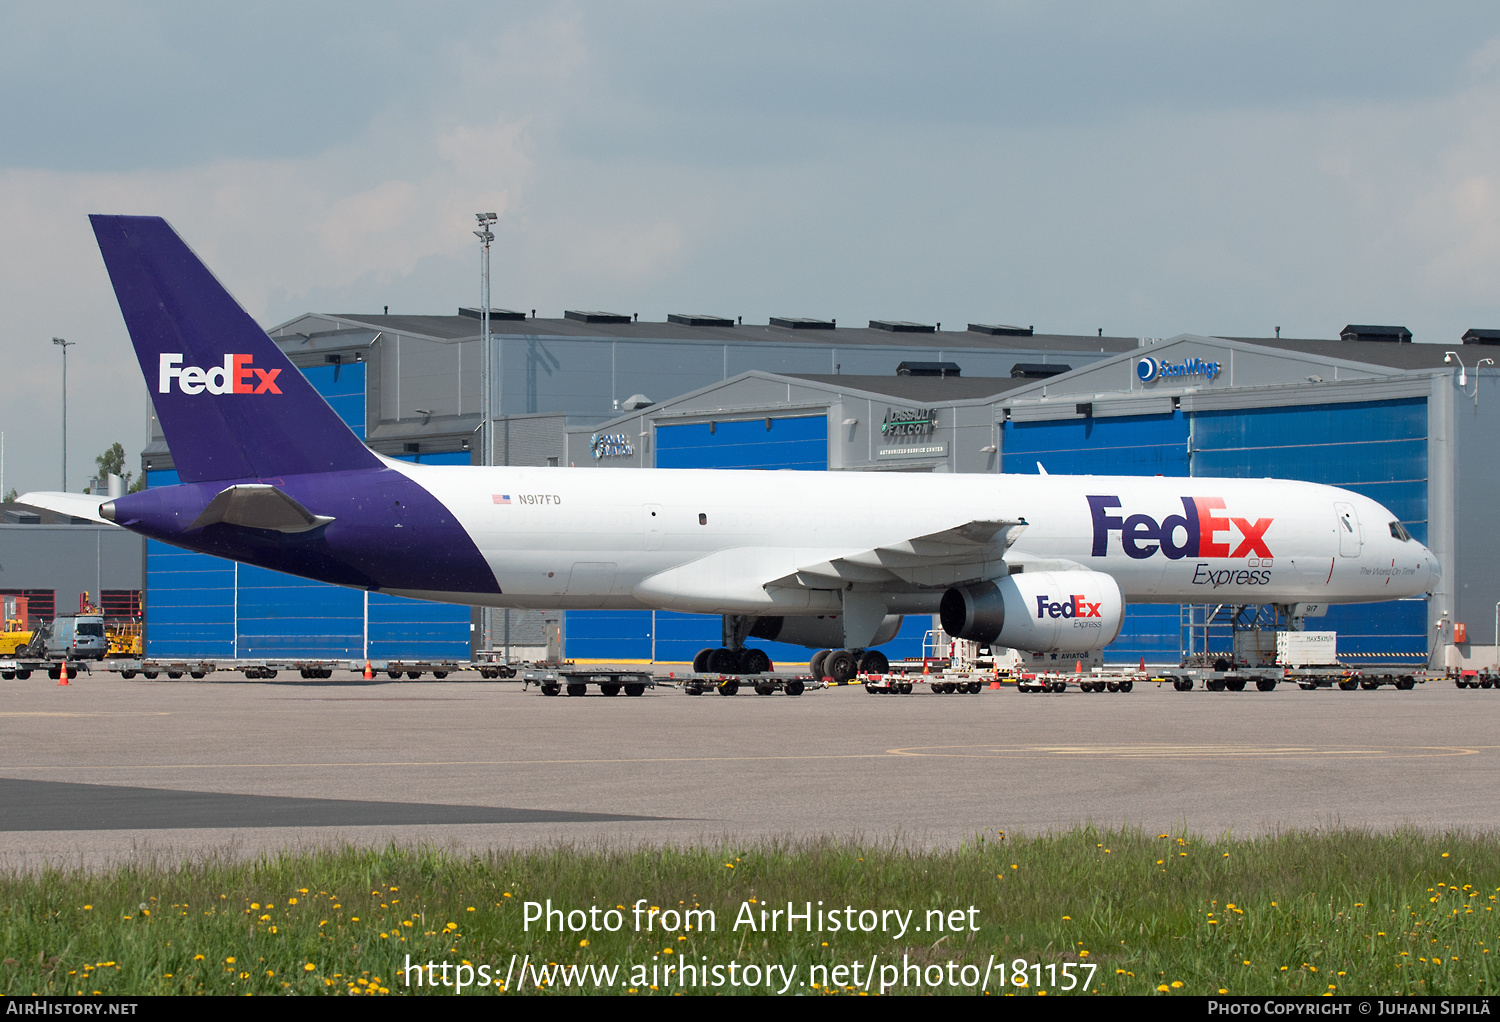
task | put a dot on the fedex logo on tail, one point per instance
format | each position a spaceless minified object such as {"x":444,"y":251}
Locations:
{"x":1194,"y":533}
{"x":235,"y":376}
{"x":1074,"y":606}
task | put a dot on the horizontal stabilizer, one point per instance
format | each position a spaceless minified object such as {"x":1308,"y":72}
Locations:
{"x":258,"y":506}
{"x":78,"y":505}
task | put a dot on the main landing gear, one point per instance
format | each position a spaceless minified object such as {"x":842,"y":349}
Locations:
{"x":731,"y":661}
{"x":843,"y":664}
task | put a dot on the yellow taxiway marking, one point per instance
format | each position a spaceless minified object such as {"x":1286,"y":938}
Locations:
{"x":1204,"y":751}
{"x":62,"y":713}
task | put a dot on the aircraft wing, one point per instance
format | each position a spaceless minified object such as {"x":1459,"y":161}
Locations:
{"x":965,"y":553}
{"x":78,"y":505}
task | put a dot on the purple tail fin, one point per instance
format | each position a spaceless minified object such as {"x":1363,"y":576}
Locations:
{"x":231,"y":404}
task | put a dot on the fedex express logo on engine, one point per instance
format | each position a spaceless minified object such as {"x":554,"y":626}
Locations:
{"x":1074,"y":606}
{"x":1200,"y":531}
{"x":235,"y":376}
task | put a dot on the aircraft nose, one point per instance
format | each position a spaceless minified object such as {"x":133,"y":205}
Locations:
{"x":1434,"y":569}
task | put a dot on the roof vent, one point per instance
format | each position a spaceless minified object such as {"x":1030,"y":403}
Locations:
{"x":596,"y":317}
{"x":1037,"y":370}
{"x":1389,"y":334}
{"x":635,"y":402}
{"x":476,"y":313}
{"x":799,"y":323}
{"x":1000,"y":330}
{"x":943,"y":369}
{"x":698,"y":319}
{"x":901,"y":326}
{"x":1478,"y":336}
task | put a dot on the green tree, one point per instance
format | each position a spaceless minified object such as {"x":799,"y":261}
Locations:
{"x":113,"y":461}
{"x":10,"y":497}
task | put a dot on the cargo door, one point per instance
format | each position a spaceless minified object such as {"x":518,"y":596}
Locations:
{"x":1348,"y":527}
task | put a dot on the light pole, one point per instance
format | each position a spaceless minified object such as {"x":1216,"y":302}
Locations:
{"x":486,"y":445}
{"x":64,"y":345}
{"x":485,"y":236}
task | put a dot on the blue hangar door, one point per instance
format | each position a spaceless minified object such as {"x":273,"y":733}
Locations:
{"x":799,"y":442}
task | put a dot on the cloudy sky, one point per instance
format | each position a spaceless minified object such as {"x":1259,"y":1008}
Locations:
{"x":1148,"y":168}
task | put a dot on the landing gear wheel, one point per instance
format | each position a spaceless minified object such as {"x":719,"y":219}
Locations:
{"x":754,"y":661}
{"x":723,"y":661}
{"x":815,"y":665}
{"x":635,"y":690}
{"x":840,"y":665}
{"x":578,"y":690}
{"x":700,"y":662}
{"x":872,"y":661}
{"x":729,"y":688}
{"x":609,"y":690}
{"x":794,"y":688}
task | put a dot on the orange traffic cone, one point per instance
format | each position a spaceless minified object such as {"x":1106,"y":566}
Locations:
{"x":1077,"y":666}
{"x":924,"y":668}
{"x":369,"y":672}
{"x":1143,"y":665}
{"x":62,"y":677}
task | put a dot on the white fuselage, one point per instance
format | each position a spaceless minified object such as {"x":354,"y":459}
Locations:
{"x":713,"y":541}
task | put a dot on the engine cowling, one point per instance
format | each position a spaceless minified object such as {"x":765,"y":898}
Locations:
{"x":825,"y":632}
{"x":1042,"y":612}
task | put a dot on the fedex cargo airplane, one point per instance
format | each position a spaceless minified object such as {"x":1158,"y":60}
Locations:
{"x":271,"y":476}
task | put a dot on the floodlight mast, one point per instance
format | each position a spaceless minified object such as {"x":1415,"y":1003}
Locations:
{"x":64,"y":345}
{"x":486,"y":397}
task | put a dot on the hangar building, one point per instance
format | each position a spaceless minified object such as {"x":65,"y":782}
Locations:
{"x":1370,"y":411}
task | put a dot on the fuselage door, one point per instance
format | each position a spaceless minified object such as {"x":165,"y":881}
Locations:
{"x":653,"y":516}
{"x":1348,"y":526}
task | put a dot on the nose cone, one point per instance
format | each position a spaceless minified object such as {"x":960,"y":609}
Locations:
{"x":1434,"y":570}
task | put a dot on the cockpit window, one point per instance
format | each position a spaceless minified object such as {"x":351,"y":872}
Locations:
{"x":1399,"y":532}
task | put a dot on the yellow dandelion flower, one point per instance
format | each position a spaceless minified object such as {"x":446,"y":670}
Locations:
{"x":309,"y":967}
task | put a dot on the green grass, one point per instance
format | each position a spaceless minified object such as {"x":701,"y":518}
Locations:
{"x":1296,"y":913}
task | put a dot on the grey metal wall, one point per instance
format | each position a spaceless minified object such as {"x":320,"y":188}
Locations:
{"x":70,"y":559}
{"x":1473,"y":567}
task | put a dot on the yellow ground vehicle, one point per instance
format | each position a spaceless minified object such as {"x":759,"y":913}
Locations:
{"x":16,"y":634}
{"x":124,"y":638}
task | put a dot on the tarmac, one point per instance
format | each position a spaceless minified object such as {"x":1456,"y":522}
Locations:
{"x":106,"y":771}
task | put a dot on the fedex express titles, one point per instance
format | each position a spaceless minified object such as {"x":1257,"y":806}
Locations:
{"x":235,"y":376}
{"x":1195,"y":533}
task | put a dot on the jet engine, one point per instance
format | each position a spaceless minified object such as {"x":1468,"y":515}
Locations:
{"x":823,"y":632}
{"x":1040,"y":613}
